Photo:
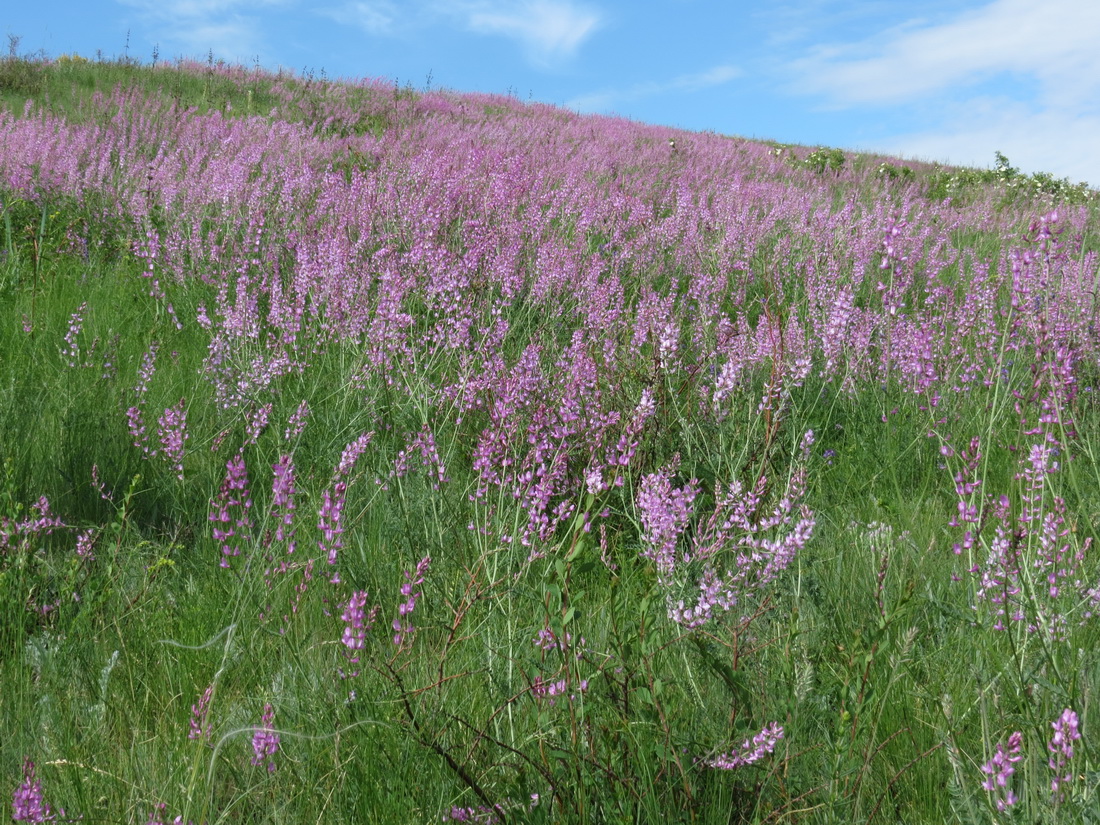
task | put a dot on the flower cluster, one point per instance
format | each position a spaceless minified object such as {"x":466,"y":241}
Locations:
{"x":1032,"y":569}
{"x":330,"y":523}
{"x":200,"y":715}
{"x":297,"y":421}
{"x":28,"y":803}
{"x":357,"y":623}
{"x":265,"y":742}
{"x":665,"y":511}
{"x":283,"y":492}
{"x":403,"y":628}
{"x":231,"y":510}
{"x":999,"y":770}
{"x":480,"y":815}
{"x":76,"y":324}
{"x":547,"y":689}
{"x":330,"y":517}
{"x":172,"y":433}
{"x":15,"y":532}
{"x":423,"y":443}
{"x":751,"y":750}
{"x":156,"y":817}
{"x":1060,"y":746}
{"x":762,"y":544}
{"x":85,"y":544}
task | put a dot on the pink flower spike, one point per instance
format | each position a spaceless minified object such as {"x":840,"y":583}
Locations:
{"x":265,"y":742}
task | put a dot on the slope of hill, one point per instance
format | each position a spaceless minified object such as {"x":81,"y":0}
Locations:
{"x":383,"y":455}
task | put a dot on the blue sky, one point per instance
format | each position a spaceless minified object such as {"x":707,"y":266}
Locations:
{"x":949,"y":80}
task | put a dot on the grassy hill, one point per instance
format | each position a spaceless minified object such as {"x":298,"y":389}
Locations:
{"x":378,"y":455}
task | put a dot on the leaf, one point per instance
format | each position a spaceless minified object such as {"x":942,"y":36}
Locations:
{"x":553,"y":592}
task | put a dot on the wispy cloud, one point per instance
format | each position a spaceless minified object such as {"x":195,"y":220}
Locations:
{"x":1054,"y":42}
{"x":1047,"y":140}
{"x":607,"y":100}
{"x":224,"y":27}
{"x":548,"y":30}
{"x":377,"y":17}
{"x":1010,"y":75}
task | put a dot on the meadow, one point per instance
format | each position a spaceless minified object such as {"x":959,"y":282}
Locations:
{"x":374,"y":454}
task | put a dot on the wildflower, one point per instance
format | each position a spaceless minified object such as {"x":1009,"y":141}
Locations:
{"x":751,"y":750}
{"x":358,"y":623}
{"x":234,"y":496}
{"x":1061,"y":750}
{"x":1000,"y":768}
{"x":200,"y":712}
{"x":158,"y":812}
{"x":401,"y":625}
{"x":283,"y":490}
{"x":297,"y":422}
{"x":352,"y":452}
{"x":136,"y":425}
{"x":76,"y":324}
{"x":265,"y":742}
{"x":665,"y":514}
{"x":480,"y":814}
{"x":85,"y":542}
{"x":28,"y":804}
{"x":330,"y":523}
{"x":172,"y":430}
{"x":145,"y":373}
{"x":257,"y":423}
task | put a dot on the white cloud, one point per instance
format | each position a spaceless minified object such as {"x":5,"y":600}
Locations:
{"x":199,"y":26}
{"x":196,"y":9}
{"x":1054,"y":41}
{"x":1011,"y":75}
{"x":1051,"y":140}
{"x":606,"y":100}
{"x":548,"y":30}
{"x":236,"y":40}
{"x":376,"y":17}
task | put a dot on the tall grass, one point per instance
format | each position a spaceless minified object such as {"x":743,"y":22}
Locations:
{"x":375,"y":455}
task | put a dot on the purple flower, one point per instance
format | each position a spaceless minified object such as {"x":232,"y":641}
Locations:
{"x":665,"y":514}
{"x":751,"y":750}
{"x":85,"y":543}
{"x":1000,"y":768}
{"x":1060,"y":746}
{"x":136,"y":424}
{"x":145,"y":374}
{"x":28,"y":804}
{"x":231,"y":510}
{"x":76,"y":324}
{"x":297,"y":421}
{"x":402,"y":626}
{"x":265,"y":742}
{"x":283,"y":491}
{"x":257,"y":423}
{"x":358,"y":622}
{"x":480,"y":814}
{"x":172,"y":432}
{"x":330,"y":523}
{"x":352,"y":452}
{"x":200,"y":712}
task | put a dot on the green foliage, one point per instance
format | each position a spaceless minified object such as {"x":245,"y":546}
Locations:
{"x":895,"y":171}
{"x":22,"y":78}
{"x":824,"y":160}
{"x":960,"y":184}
